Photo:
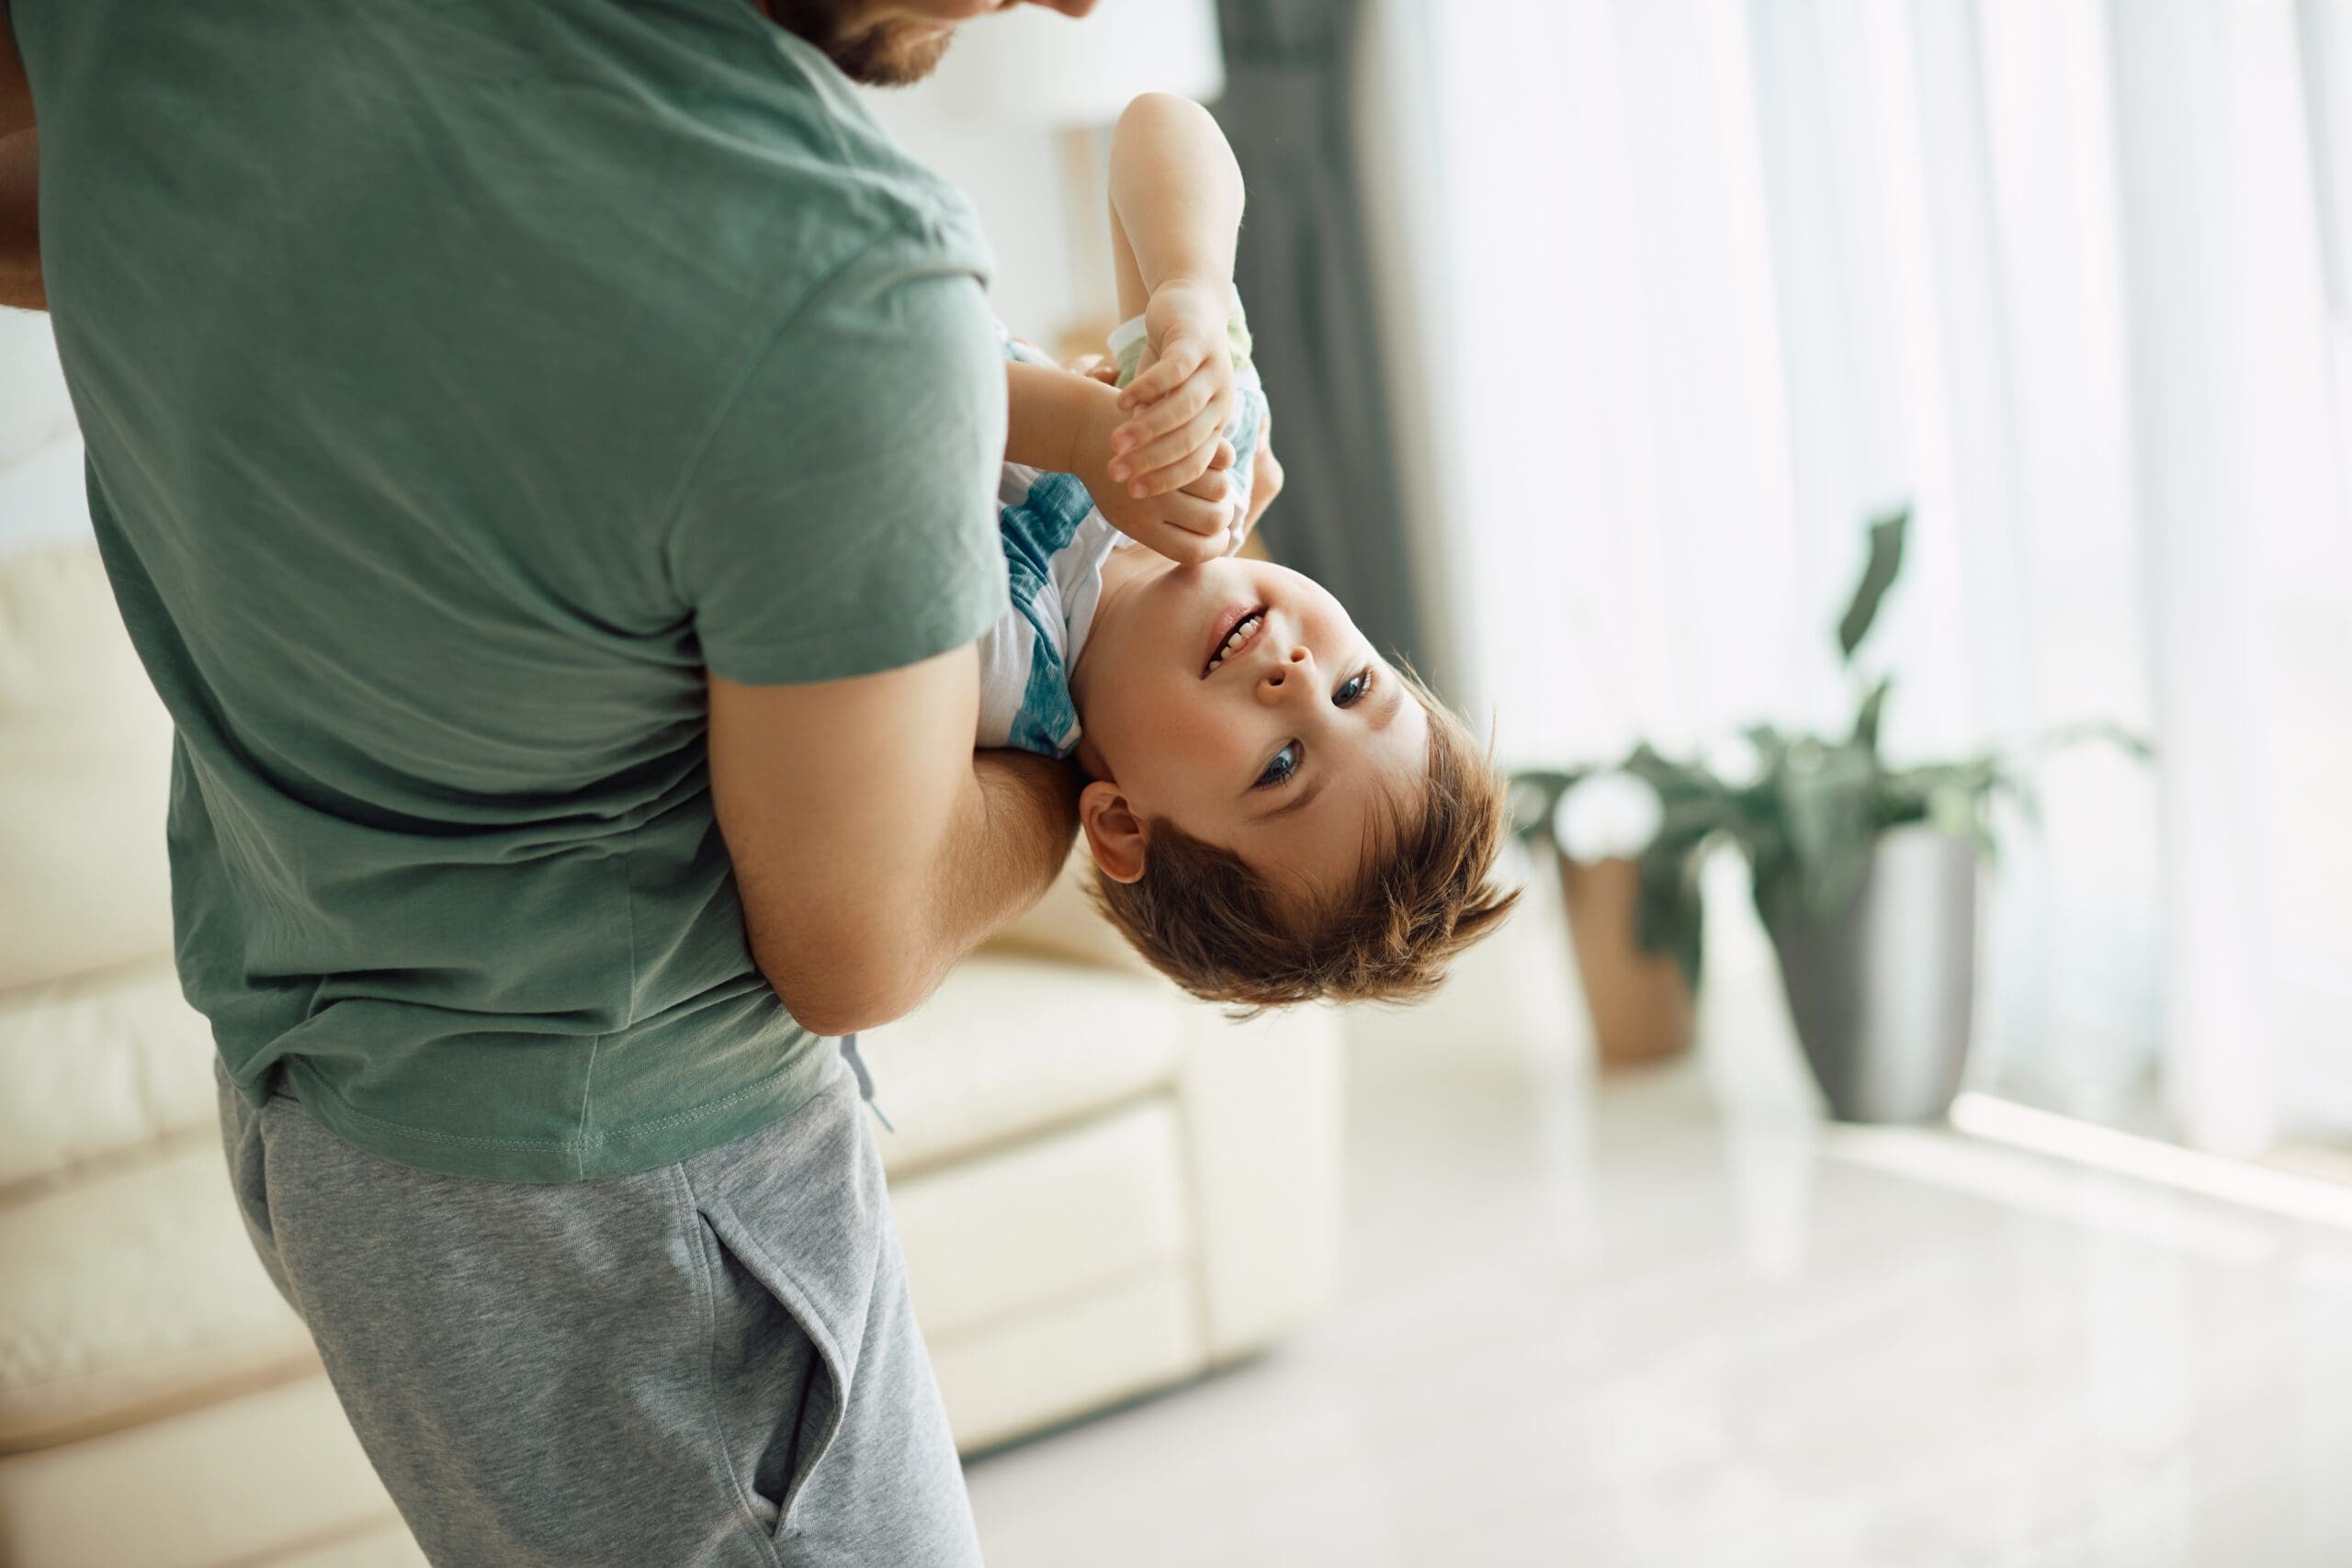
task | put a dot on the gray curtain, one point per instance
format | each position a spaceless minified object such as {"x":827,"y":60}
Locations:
{"x":1302,"y":273}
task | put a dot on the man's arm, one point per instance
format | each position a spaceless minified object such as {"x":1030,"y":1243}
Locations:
{"x":872,"y":846}
{"x":20,"y":282}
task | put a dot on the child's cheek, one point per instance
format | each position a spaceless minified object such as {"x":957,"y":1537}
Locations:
{"x":1210,"y":735}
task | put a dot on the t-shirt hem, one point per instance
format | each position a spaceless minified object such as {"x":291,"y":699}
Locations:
{"x":624,"y":1150}
{"x":807,"y":661}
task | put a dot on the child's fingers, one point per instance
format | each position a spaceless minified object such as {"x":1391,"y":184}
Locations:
{"x":1175,"y":459}
{"x":1137,"y":458}
{"x":1225,"y":454}
{"x":1168,"y":414}
{"x":1194,"y":529}
{"x":1174,"y":476}
{"x":1211,"y":485}
{"x":1177,"y":362}
{"x":1188,"y":549}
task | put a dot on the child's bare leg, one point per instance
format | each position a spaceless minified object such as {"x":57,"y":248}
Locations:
{"x":1176,"y":198}
{"x":1133,"y":293}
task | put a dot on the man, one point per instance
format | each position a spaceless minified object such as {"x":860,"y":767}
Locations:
{"x":497,"y":418}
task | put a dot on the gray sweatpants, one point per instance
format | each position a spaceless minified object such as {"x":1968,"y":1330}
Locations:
{"x":710,"y":1363}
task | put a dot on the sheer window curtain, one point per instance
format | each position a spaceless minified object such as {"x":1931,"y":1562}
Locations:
{"x":1682,"y":290}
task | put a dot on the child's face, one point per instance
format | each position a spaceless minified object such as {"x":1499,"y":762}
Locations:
{"x":1285,"y":753}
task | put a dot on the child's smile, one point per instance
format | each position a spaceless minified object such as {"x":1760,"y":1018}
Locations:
{"x":1237,"y":700}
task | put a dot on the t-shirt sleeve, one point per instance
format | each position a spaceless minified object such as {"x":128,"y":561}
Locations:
{"x":841,"y":517}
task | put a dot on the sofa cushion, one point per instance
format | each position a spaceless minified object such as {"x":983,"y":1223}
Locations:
{"x":1066,"y":923}
{"x":134,"y":1291}
{"x":99,"y":1067}
{"x":84,"y":770}
{"x":1046,"y":1218}
{"x":270,"y":1473}
{"x":1062,"y":1358}
{"x":387,"y":1545}
{"x":1012,"y":1044}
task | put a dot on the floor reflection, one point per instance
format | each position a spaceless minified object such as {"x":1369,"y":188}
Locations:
{"x":1672,"y":1318}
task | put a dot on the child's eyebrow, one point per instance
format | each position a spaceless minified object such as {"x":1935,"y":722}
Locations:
{"x":1387,"y":713}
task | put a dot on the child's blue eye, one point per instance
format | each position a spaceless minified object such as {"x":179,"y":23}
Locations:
{"x":1352,"y":692}
{"x":1281,"y":769}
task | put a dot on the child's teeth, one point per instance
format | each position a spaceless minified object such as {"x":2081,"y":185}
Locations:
{"x":1240,"y":635}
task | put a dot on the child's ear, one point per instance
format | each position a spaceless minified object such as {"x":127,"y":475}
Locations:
{"x":1113,"y":831}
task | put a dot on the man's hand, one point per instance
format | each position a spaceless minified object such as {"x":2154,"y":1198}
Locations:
{"x":1183,"y":389}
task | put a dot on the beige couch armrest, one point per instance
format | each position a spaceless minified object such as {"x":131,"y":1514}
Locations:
{"x":1264,"y":1102}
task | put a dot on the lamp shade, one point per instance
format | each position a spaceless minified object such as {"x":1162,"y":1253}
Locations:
{"x":1029,"y":65}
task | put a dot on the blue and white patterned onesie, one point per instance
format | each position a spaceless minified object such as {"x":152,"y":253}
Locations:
{"x":1055,"y":545}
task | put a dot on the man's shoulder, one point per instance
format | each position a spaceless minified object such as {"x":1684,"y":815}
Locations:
{"x":758,"y":179}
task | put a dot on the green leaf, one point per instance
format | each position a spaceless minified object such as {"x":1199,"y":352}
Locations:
{"x":1830,"y":808}
{"x":1669,"y":915}
{"x":1878,"y":576}
{"x":1866,"y":722}
{"x":1954,"y":810}
{"x":2130,"y":742}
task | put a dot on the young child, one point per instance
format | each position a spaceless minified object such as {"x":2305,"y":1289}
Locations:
{"x":1277,"y":813}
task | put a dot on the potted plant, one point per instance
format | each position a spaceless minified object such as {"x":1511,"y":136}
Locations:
{"x":1598,"y":827}
{"x":1864,"y":874}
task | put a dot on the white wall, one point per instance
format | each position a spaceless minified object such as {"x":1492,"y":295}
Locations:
{"x":1014,"y":176}
{"x":40,"y":455}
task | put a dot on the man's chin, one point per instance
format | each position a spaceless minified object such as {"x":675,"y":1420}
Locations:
{"x":892,"y":54}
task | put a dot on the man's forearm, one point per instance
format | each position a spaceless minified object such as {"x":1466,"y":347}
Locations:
{"x":20,"y":278}
{"x":1006,"y":837}
{"x":1176,"y":191}
{"x":1010,"y":844}
{"x":872,"y":847}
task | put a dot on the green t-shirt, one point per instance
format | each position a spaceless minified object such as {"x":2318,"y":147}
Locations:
{"x":460,"y":382}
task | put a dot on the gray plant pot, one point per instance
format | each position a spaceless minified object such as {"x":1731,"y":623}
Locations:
{"x":1882,"y":1000}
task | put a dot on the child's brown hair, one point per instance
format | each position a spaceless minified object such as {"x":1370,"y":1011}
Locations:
{"x":1203,"y":917}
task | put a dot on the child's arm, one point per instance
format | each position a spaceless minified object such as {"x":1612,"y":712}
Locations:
{"x":1176,"y":198}
{"x":1060,"y":422}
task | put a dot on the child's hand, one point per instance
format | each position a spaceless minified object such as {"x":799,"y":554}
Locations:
{"x":1181,"y":395}
{"x":1188,"y":524}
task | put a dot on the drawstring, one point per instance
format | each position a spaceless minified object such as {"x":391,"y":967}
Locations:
{"x":865,"y":1081}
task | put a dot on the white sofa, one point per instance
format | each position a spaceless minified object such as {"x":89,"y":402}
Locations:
{"x":1105,"y":1188}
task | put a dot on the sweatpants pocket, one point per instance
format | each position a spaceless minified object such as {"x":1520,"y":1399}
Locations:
{"x":780,"y":1376}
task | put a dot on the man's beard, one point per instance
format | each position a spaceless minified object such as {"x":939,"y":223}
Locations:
{"x":881,"y":54}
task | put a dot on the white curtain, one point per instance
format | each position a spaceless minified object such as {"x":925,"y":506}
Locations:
{"x":1681,"y":291}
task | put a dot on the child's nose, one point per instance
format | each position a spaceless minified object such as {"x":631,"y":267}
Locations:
{"x":1298,"y":661}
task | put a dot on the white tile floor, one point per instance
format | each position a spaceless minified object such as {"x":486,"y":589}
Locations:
{"x":1673,"y":1319}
